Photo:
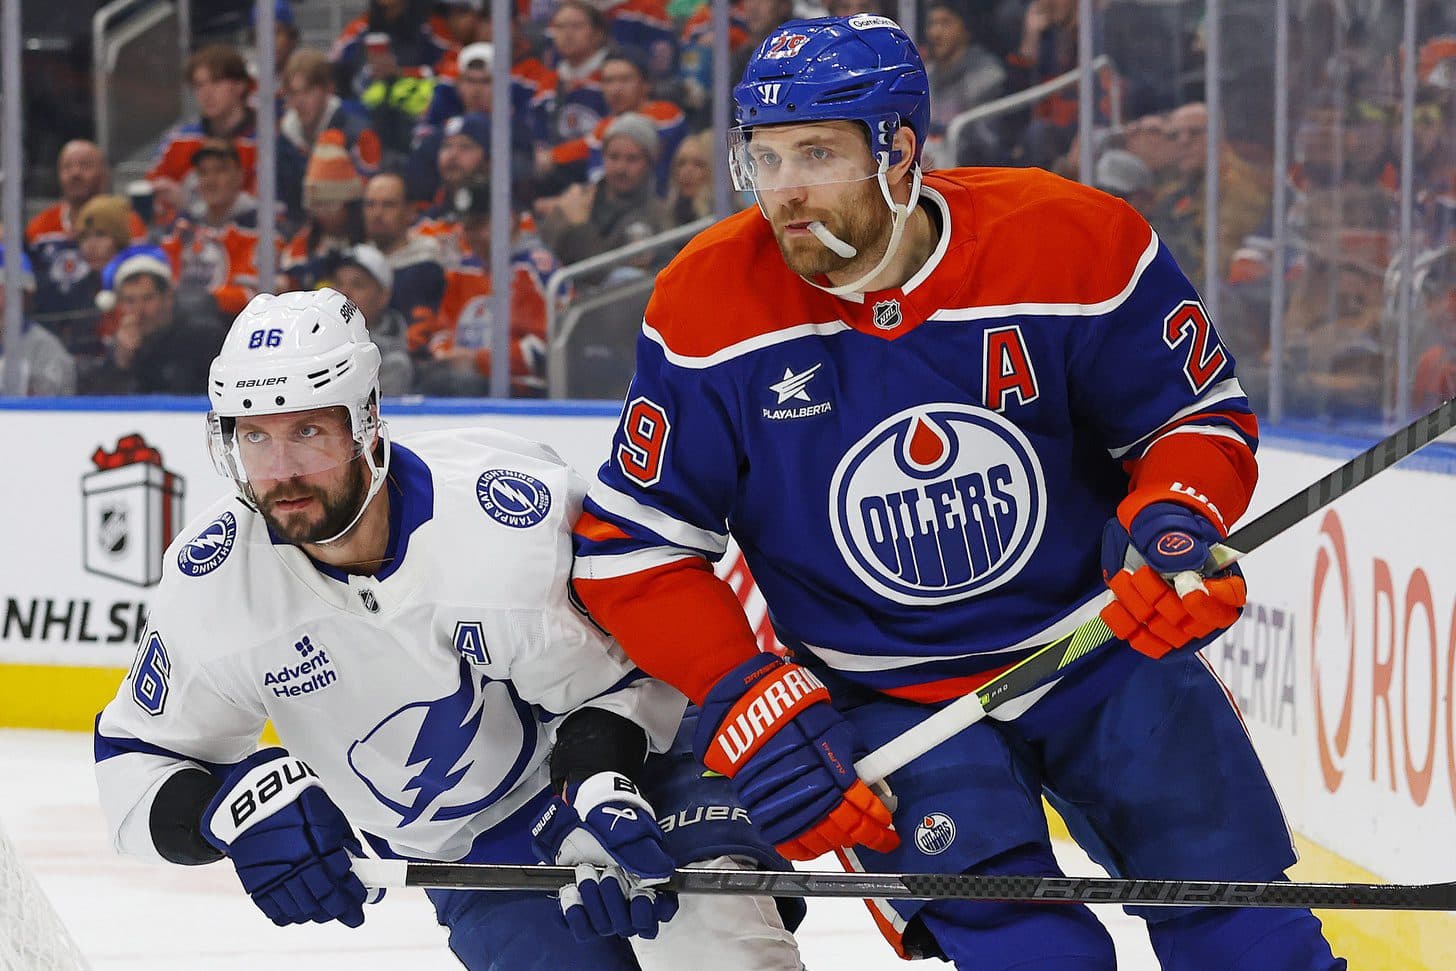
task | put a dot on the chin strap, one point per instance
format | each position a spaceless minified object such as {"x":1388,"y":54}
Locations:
{"x":845,"y":250}
{"x":377,"y":472}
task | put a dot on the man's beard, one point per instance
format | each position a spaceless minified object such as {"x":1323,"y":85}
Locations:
{"x":339,"y":508}
{"x":863,"y":221}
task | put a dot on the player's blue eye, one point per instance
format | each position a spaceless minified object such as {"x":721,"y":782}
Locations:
{"x":310,"y":431}
{"x":254,"y":437}
{"x":819,"y":154}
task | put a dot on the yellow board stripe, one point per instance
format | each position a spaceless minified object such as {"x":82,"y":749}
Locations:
{"x":68,"y":698}
{"x":63,"y":698}
{"x":1371,"y":940}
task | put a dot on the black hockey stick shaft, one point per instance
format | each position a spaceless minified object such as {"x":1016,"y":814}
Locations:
{"x":938,"y":886}
{"x":1046,"y":663}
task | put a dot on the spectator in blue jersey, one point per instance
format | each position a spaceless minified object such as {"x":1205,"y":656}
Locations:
{"x":626,"y":87}
{"x":46,"y":368}
{"x":415,"y":260}
{"x":950,"y":418}
{"x":578,"y":34}
{"x":155,"y":350}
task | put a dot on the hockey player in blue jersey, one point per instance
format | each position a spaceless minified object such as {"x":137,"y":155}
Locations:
{"x":402,"y":616}
{"x":942,"y":414}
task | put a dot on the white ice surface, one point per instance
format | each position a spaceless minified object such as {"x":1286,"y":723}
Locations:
{"x":128,"y":916}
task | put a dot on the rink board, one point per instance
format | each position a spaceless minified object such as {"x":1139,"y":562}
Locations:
{"x":1343,"y":664}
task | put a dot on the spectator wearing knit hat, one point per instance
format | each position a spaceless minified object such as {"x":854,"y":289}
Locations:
{"x":46,"y":368}
{"x":332,"y":194}
{"x":463,"y":160}
{"x":51,"y":237}
{"x":623,"y":207}
{"x":102,"y":228}
{"x":155,"y":350}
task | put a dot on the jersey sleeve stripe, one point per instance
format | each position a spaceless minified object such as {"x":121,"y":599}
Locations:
{"x":1228,"y":389}
{"x":1058,"y":309}
{"x":743,"y":347}
{"x":596,"y":530}
{"x":591,"y":567}
{"x":623,"y":507}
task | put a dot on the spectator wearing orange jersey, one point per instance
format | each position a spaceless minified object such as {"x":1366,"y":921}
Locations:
{"x":213,"y":247}
{"x":463,"y":160}
{"x":625,"y":88}
{"x":457,"y":345}
{"x":220,"y":85}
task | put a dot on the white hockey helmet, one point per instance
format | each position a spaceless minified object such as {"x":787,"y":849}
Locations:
{"x":295,"y":352}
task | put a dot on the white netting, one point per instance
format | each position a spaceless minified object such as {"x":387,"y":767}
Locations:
{"x":32,"y":937}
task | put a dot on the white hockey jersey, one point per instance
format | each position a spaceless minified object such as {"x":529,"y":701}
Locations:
{"x":425,"y":696}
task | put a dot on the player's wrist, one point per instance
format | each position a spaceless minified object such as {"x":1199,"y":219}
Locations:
{"x":749,"y":705}
{"x":1177,"y":493}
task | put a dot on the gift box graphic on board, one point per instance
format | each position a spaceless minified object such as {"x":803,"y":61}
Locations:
{"x":131,"y":510}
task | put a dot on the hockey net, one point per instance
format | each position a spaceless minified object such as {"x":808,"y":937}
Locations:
{"x":32,"y":937}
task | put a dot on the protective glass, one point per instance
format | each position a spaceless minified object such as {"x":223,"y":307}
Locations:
{"x":795,"y":156}
{"x":287,"y":449}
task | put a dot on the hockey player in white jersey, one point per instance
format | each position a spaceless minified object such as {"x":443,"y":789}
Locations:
{"x":401,"y":614}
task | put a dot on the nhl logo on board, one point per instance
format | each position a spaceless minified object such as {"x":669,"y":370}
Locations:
{"x":935,"y":833}
{"x":886,"y":314}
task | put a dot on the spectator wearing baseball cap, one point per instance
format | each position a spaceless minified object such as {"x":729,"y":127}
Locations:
{"x":332,"y":192}
{"x":155,"y":349}
{"x":46,"y":367}
{"x":1121,"y":173}
{"x":213,"y":248}
{"x":364,"y":276}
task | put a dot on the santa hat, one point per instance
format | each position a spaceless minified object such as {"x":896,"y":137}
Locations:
{"x":128,"y":263}
{"x":331,"y":178}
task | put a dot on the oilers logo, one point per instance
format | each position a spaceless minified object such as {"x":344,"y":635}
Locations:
{"x":938,"y":503}
{"x":935,"y":833}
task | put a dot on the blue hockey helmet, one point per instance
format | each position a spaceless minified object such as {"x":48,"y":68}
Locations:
{"x":862,"y":68}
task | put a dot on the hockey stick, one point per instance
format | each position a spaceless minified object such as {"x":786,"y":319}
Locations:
{"x":938,"y":886}
{"x":1047,"y":662}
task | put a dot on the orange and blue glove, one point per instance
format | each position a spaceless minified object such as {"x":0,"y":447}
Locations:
{"x":1167,"y":540}
{"x":769,"y":727}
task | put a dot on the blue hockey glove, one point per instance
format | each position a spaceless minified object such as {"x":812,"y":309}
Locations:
{"x":1169,"y":539}
{"x":768,"y":725}
{"x":289,"y":842}
{"x":604,"y":828}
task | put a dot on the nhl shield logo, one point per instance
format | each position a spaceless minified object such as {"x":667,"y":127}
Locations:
{"x":886,"y":314}
{"x":112,"y":534}
{"x":935,"y":833}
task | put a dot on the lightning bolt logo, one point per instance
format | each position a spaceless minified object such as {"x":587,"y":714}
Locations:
{"x":513,"y":498}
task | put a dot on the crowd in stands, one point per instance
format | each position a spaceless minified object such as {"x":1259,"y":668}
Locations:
{"x":383,"y":155}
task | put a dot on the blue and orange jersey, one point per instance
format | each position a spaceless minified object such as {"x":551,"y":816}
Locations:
{"x":221,"y":260}
{"x":173,"y":159}
{"x":51,"y":240}
{"x":646,"y":26}
{"x":918,"y":477}
{"x":573,"y":106}
{"x":465,"y":320}
{"x":698,"y":30}
{"x":671,"y":124}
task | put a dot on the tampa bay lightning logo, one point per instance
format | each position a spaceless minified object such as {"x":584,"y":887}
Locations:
{"x":513,"y":498}
{"x":938,"y":503}
{"x":206,"y":551}
{"x":464,"y":751}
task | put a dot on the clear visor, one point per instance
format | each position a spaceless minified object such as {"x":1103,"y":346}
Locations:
{"x":281,"y":447}
{"x":795,"y":156}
